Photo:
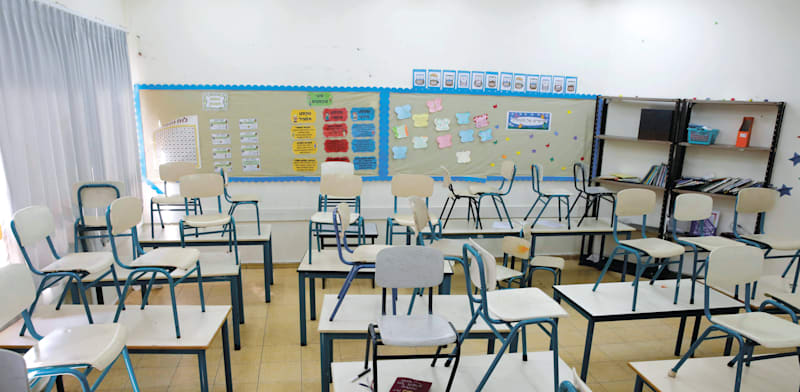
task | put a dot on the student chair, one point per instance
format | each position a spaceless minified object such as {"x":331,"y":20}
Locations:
{"x":334,"y":189}
{"x":640,"y":202}
{"x":561,"y":196}
{"x":508,"y":171}
{"x":691,"y":207}
{"x":592,"y":194}
{"x":457,"y":192}
{"x":13,"y":371}
{"x":359,"y":258}
{"x":73,"y":351}
{"x":170,"y":173}
{"x":240,"y":198}
{"x":33,"y":224}
{"x":737,"y":265}
{"x":759,"y":201}
{"x":576,"y":385}
{"x":122,"y":218}
{"x":198,"y":186}
{"x":402,"y":268}
{"x":405,"y":186}
{"x":520,"y":248}
{"x":515,"y":308}
{"x":96,"y":195}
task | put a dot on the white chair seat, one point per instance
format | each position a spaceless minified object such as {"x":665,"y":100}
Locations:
{"x":96,"y":344}
{"x":416,"y":330}
{"x":710,"y":243}
{"x":505,"y":273}
{"x":181,"y":258}
{"x":91,"y":262}
{"x":408,"y":220}
{"x":775,"y":242}
{"x":655,"y":247}
{"x":244,"y":197}
{"x":548,"y":261}
{"x":94,"y":221}
{"x":462,"y":190}
{"x":366,"y":253}
{"x":174,"y":199}
{"x":598,"y":190}
{"x":765,"y":329}
{"x":450,"y":247}
{"x":522,"y":304}
{"x":483,"y":188}
{"x":555,"y":192}
{"x":206,"y":220}
{"x":327,"y":217}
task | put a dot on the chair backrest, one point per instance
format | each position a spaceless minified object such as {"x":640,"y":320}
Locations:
{"x":635,"y":202}
{"x":734,"y":265}
{"x":579,"y":177}
{"x":755,"y":200}
{"x":516,"y":246}
{"x":336,"y":167}
{"x":123,"y":214}
{"x":420,"y":213}
{"x":17,"y":291}
{"x":406,"y":267}
{"x":173,"y":171}
{"x":199,"y":185}
{"x":489,"y":268}
{"x":536,"y":178}
{"x":13,"y":372}
{"x":32,"y":224}
{"x":692,"y":207}
{"x":446,"y":180}
{"x":98,"y":194}
{"x":507,"y":169}
{"x":340,"y":185}
{"x":407,"y":185}
{"x":344,"y":211}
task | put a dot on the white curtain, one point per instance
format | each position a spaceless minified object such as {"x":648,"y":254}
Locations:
{"x":66,"y":111}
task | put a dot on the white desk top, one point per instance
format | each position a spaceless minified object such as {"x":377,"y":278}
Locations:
{"x":151,"y":328}
{"x":358,"y":311}
{"x":211,"y":264}
{"x":543,"y":226}
{"x":511,"y":373}
{"x":171,"y":234}
{"x":793,"y":300}
{"x":328,"y":261}
{"x":615,"y":299}
{"x":768,"y":286}
{"x":712,"y":374}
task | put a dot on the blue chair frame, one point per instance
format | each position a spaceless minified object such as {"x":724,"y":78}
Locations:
{"x":315,"y":229}
{"x":138,"y":272}
{"x":545,"y":198}
{"x":235,"y":204}
{"x":195,"y":203}
{"x":592,"y":199}
{"x":496,"y":196}
{"x":640,"y":267}
{"x":355,"y":266}
{"x":80,"y":223}
{"x":390,"y":225}
{"x":229,"y":228}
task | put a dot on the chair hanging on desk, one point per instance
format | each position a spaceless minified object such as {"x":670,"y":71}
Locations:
{"x":457,"y":192}
{"x":592,"y":194}
{"x":335,"y":188}
{"x":238,"y":199}
{"x":561,"y":196}
{"x":406,"y":186}
{"x":198,"y":186}
{"x":97,"y":196}
{"x":508,"y":170}
{"x":170,"y":173}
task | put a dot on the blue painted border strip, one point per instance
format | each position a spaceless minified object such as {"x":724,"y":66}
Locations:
{"x":140,"y":138}
{"x":383,"y":134}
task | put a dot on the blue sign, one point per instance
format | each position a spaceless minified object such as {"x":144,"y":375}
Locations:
{"x":363,"y":145}
{"x":362,"y":114}
{"x":528,"y":120}
{"x":363,"y":130}
{"x":365,"y":163}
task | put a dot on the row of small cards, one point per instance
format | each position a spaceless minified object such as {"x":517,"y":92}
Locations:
{"x":249,"y":144}
{"x":437,"y":79}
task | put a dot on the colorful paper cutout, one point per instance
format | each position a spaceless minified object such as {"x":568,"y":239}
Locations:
{"x":303,"y":116}
{"x":420,"y":142}
{"x":304,"y":165}
{"x":337,"y":159}
{"x":303,"y":132}
{"x":304,"y":147}
{"x":481,"y":120}
{"x":442,"y":124}
{"x":365,"y":163}
{"x":400,"y":131}
{"x":338,"y":114}
{"x":403,"y":112}
{"x":399,"y":152}
{"x":363,"y":145}
{"x":362,"y":114}
{"x":336,"y":145}
{"x":463,"y":157}
{"x":363,"y":130}
{"x":445,"y":141}
{"x":485,"y":135}
{"x":785,"y":190}
{"x":435,"y":105}
{"x":335,"y":130}
{"x":420,"y":120}
{"x":462,"y":118}
{"x":466,"y":135}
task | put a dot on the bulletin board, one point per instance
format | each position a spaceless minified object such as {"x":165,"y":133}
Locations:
{"x":472,"y":134}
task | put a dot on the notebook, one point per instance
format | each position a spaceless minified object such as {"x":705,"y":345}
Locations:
{"x":402,"y":384}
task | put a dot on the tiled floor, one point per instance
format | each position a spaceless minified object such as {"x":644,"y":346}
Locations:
{"x":271,"y":358}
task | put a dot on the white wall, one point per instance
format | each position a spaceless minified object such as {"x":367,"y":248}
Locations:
{"x":669,"y":48}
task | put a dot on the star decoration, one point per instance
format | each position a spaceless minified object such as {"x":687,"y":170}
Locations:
{"x":795,"y":159}
{"x":785,"y":190}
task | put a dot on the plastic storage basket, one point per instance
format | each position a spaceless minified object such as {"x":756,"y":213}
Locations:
{"x":702,"y":136}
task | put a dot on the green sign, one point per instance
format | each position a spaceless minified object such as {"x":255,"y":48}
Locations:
{"x":320,"y":99}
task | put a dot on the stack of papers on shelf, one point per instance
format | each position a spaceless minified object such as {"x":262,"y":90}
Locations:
{"x":721,"y":185}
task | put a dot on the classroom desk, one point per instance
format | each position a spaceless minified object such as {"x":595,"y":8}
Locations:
{"x":792,"y":300}
{"x":358,"y":311}
{"x":511,"y":374}
{"x":246,"y":235}
{"x":612,"y":302}
{"x":150,"y":331}
{"x":713,"y":374}
{"x":326,"y":265}
{"x":370,"y":233}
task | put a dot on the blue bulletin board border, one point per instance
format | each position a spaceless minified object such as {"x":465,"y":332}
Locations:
{"x":383,"y":122}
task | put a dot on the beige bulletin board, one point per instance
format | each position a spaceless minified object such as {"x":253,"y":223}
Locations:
{"x":262,"y":123}
{"x":568,"y":139}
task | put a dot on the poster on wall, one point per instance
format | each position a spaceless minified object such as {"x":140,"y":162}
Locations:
{"x":492,"y":82}
{"x":519,"y":83}
{"x":477,"y":83}
{"x":506,"y":81}
{"x":434,"y":78}
{"x":572,"y":84}
{"x":215,"y":101}
{"x":545,"y":83}
{"x":449,"y":79}
{"x":463,"y":80}
{"x":525,"y":121}
{"x":558,"y":84}
{"x":178,"y":141}
{"x":532,"y":83}
{"x":418,"y":78}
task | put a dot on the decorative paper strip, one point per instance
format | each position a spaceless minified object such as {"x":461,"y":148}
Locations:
{"x":363,"y":145}
{"x":463,"y":157}
{"x":337,"y":159}
{"x":362,"y":114}
{"x":303,"y":116}
{"x":421,"y":120}
{"x":462,"y":118}
{"x":218,"y":124}
{"x":485,"y":135}
{"x":221,"y":152}
{"x":335,"y":130}
{"x":420,"y":142}
{"x":304,"y":165}
{"x":399,"y":152}
{"x":400,"y":131}
{"x":250,"y":150}
{"x":403,"y":112}
{"x":248,"y":137}
{"x":435,"y":105}
{"x":363,"y":130}
{"x":300,"y":147}
{"x":442,"y":124}
{"x":338,"y":114}
{"x":251,"y":164}
{"x":248,"y":123}
{"x":481,"y":120}
{"x":303,"y":132}
{"x":336,"y":145}
{"x":365,"y":163}
{"x":445,"y":141}
{"x":319,"y":99}
{"x":466,"y":135}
